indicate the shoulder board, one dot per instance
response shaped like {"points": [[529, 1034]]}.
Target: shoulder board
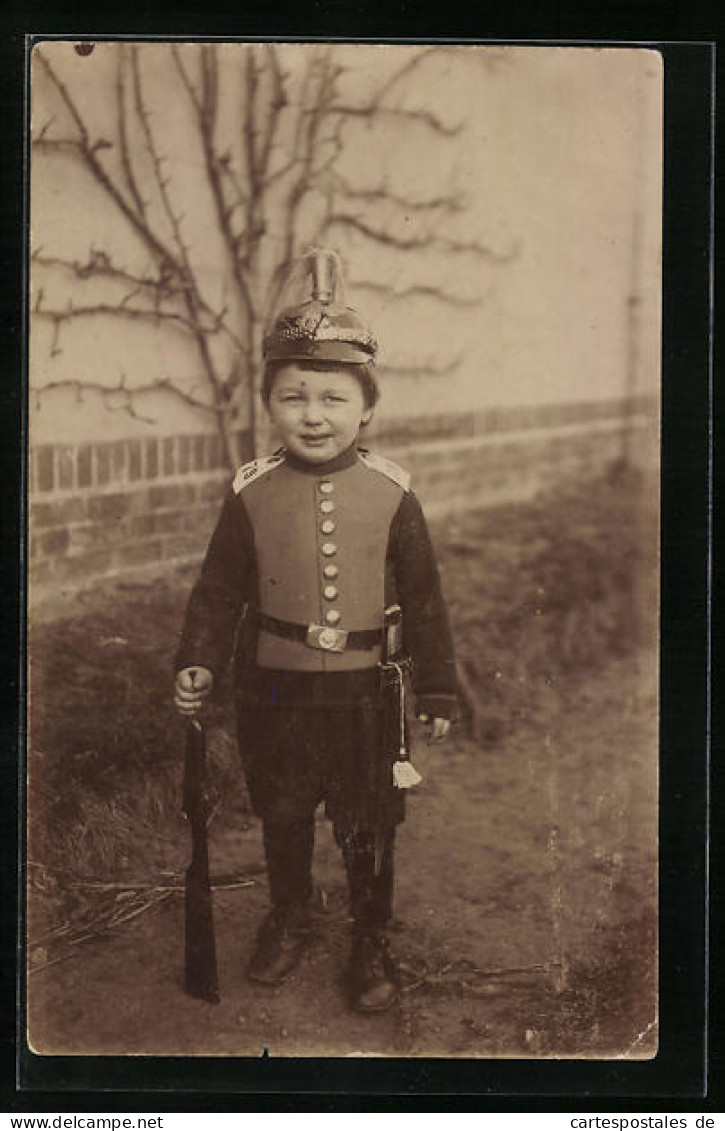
{"points": [[385, 467], [248, 472]]}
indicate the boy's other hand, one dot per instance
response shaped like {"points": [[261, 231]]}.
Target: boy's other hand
{"points": [[438, 728], [191, 689]]}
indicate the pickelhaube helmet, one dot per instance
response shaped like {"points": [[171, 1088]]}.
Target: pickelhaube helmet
{"points": [[319, 324]]}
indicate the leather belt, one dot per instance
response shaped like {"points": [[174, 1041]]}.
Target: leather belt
{"points": [[321, 636]]}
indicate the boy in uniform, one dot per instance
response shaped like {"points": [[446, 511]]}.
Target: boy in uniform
{"points": [[313, 545]]}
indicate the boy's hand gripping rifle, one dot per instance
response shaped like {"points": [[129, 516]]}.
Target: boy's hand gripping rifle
{"points": [[200, 966]]}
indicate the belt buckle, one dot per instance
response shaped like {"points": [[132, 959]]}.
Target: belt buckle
{"points": [[327, 638]]}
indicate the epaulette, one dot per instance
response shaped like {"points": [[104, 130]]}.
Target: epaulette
{"points": [[248, 472], [385, 467]]}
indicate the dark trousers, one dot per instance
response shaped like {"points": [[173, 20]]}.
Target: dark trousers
{"points": [[368, 859]]}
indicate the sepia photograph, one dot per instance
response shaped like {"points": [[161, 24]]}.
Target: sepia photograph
{"points": [[343, 497]]}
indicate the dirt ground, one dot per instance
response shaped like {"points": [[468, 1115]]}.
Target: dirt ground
{"points": [[525, 902]]}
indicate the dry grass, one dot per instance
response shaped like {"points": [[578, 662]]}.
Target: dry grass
{"points": [[106, 746], [540, 590]]}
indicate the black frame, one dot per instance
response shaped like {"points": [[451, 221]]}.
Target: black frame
{"points": [[680, 1068]]}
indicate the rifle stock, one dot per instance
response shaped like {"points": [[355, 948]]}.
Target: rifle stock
{"points": [[200, 964]]}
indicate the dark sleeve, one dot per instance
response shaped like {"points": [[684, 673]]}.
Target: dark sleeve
{"points": [[426, 630], [217, 600]]}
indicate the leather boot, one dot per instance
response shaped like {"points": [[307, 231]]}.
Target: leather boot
{"points": [[372, 976], [281, 942]]}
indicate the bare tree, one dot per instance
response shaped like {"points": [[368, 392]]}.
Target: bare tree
{"points": [[275, 181]]}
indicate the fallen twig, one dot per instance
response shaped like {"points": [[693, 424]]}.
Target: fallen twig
{"points": [[95, 928], [219, 883], [427, 979], [127, 914], [142, 896], [435, 976]]}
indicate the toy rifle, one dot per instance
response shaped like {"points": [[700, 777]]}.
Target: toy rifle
{"points": [[200, 966]]}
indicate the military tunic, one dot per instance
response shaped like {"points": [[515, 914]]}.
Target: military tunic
{"points": [[301, 549]]}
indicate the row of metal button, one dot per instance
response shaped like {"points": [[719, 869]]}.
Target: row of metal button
{"points": [[328, 550]]}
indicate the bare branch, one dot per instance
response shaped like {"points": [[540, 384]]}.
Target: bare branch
{"points": [[183, 74], [302, 110], [326, 98], [276, 103], [120, 397], [87, 152], [315, 97], [57, 143], [191, 295], [126, 162], [334, 145], [402, 243], [126, 404], [374, 111], [67, 100], [46, 126], [407, 69], [102, 309], [100, 264], [376, 106], [417, 242], [381, 194], [157, 161], [250, 119], [162, 286], [439, 294], [232, 177], [55, 349], [283, 170], [209, 83], [205, 115]]}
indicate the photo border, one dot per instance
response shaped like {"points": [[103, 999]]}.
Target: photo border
{"points": [[680, 1068]]}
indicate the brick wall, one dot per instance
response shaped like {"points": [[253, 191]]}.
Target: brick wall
{"points": [[512, 418], [99, 509], [106, 508], [509, 467]]}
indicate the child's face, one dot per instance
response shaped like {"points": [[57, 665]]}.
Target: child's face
{"points": [[317, 414]]}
